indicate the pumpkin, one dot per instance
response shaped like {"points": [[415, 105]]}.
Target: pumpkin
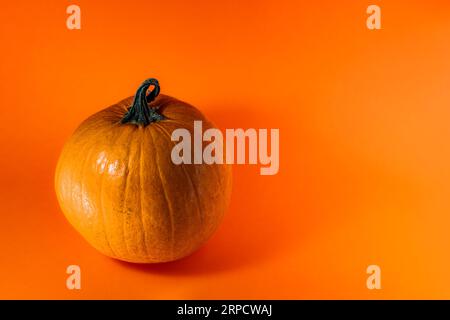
{"points": [[117, 186]]}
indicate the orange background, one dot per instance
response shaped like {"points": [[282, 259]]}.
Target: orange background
{"points": [[364, 151]]}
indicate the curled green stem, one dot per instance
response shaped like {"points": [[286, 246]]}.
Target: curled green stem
{"points": [[140, 113]]}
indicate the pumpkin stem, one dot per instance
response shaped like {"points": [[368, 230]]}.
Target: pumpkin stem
{"points": [[140, 113]]}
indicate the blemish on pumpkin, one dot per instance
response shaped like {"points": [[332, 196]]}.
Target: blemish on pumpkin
{"points": [[101, 162], [116, 169], [86, 204]]}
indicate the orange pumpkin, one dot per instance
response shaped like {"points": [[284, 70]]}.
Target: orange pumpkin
{"points": [[117, 185]]}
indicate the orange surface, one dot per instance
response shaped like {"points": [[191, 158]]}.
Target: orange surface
{"points": [[364, 151]]}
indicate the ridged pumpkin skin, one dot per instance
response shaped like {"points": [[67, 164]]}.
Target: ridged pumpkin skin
{"points": [[117, 185]]}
